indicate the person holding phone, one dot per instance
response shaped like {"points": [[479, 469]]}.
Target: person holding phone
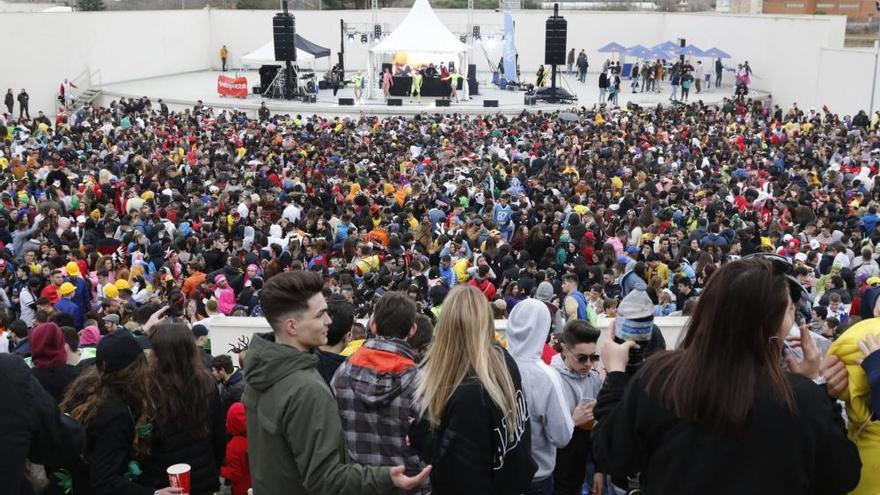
{"points": [[750, 425], [581, 384]]}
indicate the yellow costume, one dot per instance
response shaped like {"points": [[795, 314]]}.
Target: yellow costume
{"points": [[862, 431]]}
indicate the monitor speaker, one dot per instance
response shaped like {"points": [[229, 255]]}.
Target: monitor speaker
{"points": [[490, 103], [442, 103], [346, 101], [283, 37], [267, 75], [555, 40], [395, 102]]}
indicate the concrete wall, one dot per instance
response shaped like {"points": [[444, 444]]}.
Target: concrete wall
{"points": [[786, 52], [47, 47], [226, 332], [844, 81]]}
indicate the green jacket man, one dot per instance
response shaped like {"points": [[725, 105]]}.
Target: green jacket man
{"points": [[294, 431]]}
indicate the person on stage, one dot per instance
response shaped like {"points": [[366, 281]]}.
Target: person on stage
{"points": [[415, 88], [358, 81], [387, 82], [453, 78], [224, 54], [542, 75]]}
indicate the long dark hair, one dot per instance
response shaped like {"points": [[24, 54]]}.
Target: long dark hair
{"points": [[185, 380], [134, 385], [732, 343]]}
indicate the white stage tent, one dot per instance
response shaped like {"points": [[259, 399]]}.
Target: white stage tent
{"points": [[265, 55], [421, 33], [306, 51]]}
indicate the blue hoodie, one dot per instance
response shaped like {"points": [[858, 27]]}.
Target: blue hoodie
{"points": [[527, 328]]}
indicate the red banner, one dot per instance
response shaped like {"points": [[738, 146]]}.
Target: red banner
{"points": [[232, 86]]}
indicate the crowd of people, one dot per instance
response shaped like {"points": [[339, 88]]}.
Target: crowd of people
{"points": [[128, 230], [683, 74]]}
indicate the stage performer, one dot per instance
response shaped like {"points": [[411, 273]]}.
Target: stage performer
{"points": [[358, 81], [453, 78], [415, 88], [387, 82]]}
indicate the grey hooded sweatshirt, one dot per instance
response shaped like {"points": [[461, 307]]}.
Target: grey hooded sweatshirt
{"points": [[527, 328], [576, 387]]}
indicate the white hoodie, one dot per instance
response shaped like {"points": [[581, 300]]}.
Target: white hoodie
{"points": [[552, 426]]}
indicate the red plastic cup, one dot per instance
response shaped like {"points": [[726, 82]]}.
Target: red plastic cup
{"points": [[178, 477]]}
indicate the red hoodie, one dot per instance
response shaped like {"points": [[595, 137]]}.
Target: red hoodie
{"points": [[237, 469]]}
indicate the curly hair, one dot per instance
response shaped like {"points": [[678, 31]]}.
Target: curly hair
{"points": [[134, 385]]}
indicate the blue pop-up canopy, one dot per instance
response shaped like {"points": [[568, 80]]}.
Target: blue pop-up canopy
{"points": [[666, 46], [638, 51], [716, 53], [690, 51], [613, 48]]}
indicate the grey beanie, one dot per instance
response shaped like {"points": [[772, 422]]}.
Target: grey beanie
{"points": [[544, 292]]}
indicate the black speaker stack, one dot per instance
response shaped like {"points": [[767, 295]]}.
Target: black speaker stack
{"points": [[395, 102], [441, 103], [283, 37], [555, 40], [473, 86]]}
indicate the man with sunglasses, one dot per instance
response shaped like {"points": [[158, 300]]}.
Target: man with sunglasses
{"points": [[580, 387]]}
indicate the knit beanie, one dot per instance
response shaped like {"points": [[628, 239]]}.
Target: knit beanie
{"points": [[47, 346], [116, 351]]}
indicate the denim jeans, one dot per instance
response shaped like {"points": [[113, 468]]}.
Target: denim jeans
{"points": [[717, 79], [674, 93], [569, 68], [602, 92], [541, 487]]}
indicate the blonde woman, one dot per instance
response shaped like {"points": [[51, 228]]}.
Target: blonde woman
{"points": [[475, 428]]}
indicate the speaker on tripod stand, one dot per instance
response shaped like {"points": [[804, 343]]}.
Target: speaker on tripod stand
{"points": [[283, 37], [555, 38]]}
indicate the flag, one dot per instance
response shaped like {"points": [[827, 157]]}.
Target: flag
{"points": [[509, 48]]}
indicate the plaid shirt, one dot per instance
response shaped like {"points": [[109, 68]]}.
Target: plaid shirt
{"points": [[375, 390]]}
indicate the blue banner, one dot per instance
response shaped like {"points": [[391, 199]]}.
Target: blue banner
{"points": [[509, 48]]}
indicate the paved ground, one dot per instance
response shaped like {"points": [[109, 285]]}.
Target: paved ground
{"points": [[181, 90]]}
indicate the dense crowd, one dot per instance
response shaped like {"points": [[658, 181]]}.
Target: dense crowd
{"points": [[131, 228]]}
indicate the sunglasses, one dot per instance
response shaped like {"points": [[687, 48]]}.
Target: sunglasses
{"points": [[584, 358]]}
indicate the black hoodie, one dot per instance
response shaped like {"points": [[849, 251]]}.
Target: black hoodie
{"points": [[464, 449]]}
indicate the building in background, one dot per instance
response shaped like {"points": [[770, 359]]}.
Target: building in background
{"points": [[854, 10], [739, 6]]}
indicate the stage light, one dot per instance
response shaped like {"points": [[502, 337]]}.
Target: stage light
{"points": [[377, 31], [476, 32], [463, 39], [364, 39], [350, 37]]}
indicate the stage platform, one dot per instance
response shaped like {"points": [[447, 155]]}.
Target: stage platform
{"points": [[183, 90]]}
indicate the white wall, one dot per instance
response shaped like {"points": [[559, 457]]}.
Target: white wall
{"points": [[226, 332], [844, 80], [44, 48], [795, 57]]}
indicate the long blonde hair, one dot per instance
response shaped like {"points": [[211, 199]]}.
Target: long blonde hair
{"points": [[464, 344]]}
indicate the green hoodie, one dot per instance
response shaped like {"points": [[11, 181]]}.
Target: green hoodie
{"points": [[294, 431]]}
